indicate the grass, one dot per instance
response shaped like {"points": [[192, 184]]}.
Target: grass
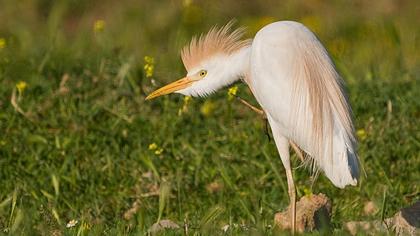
{"points": [[80, 147]]}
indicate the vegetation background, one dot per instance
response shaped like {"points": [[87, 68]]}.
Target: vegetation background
{"points": [[82, 153]]}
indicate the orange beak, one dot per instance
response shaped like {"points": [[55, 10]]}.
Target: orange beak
{"points": [[172, 87]]}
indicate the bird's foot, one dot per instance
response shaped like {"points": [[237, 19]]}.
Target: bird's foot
{"points": [[312, 212]]}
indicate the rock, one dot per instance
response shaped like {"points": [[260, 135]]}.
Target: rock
{"points": [[404, 222], [312, 212], [370, 208], [412, 214], [400, 225], [135, 207], [162, 225], [364, 226], [214, 187]]}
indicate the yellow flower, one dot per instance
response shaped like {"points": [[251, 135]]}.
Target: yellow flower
{"points": [[153, 146], [207, 108], [99, 26], [149, 66], [159, 151], [361, 133], [187, 99], [149, 60], [149, 70], [184, 108], [21, 86], [307, 191], [2, 43], [186, 3], [232, 92]]}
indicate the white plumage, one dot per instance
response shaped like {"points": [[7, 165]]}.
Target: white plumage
{"points": [[306, 104], [293, 79]]}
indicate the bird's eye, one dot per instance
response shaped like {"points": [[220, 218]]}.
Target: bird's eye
{"points": [[203, 73]]}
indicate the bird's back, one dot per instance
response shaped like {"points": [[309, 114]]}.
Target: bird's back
{"points": [[294, 80]]}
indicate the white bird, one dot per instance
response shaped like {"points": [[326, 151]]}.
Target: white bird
{"points": [[295, 82]]}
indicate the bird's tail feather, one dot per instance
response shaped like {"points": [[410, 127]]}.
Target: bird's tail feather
{"points": [[344, 168], [321, 114]]}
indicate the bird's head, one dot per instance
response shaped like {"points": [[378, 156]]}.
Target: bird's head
{"points": [[212, 61]]}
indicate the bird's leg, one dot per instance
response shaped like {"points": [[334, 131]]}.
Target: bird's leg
{"points": [[283, 147], [257, 110], [297, 150], [292, 196]]}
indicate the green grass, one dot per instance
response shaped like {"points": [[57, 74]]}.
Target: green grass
{"points": [[80, 148]]}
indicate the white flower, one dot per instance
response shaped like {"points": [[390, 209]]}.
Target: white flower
{"points": [[72, 223]]}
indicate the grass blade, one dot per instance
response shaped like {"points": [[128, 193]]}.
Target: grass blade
{"points": [[164, 192], [211, 216]]}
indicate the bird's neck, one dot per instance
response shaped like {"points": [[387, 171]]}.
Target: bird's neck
{"points": [[237, 65]]}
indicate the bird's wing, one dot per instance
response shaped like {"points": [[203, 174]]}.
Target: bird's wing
{"points": [[295, 81]]}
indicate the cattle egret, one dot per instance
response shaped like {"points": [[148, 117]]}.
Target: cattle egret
{"points": [[295, 82]]}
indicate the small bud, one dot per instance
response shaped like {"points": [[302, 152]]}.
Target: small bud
{"points": [[232, 92], [99, 26]]}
